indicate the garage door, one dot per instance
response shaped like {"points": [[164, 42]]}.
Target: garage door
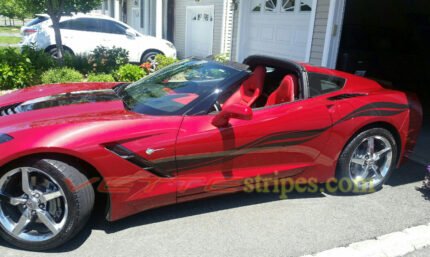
{"points": [[199, 31], [279, 28]]}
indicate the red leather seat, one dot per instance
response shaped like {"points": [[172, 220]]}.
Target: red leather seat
{"points": [[286, 91], [250, 90]]}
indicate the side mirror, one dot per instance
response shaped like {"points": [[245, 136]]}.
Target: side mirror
{"points": [[130, 33], [234, 111]]}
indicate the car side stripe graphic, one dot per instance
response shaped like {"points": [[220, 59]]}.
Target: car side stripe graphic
{"points": [[279, 140]]}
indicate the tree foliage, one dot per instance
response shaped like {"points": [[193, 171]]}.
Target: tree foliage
{"points": [[61, 7], [13, 9]]}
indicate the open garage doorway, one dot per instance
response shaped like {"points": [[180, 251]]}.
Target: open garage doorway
{"points": [[388, 40]]}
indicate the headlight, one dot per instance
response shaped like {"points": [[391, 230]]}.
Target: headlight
{"points": [[170, 45], [5, 138]]}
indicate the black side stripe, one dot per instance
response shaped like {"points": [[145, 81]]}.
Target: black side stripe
{"points": [[278, 140]]}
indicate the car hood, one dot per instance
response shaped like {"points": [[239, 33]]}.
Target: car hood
{"points": [[50, 90], [61, 104]]}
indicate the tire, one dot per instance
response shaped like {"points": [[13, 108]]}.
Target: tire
{"points": [[150, 57], [72, 209], [356, 161], [53, 52]]}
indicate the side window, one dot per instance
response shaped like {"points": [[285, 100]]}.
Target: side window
{"points": [[70, 24], [320, 84], [112, 27], [90, 25]]}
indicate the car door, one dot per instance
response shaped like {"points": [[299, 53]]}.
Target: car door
{"points": [[279, 141], [114, 34], [80, 35]]}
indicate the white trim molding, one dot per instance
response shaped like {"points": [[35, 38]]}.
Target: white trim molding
{"points": [[311, 31], [239, 33], [159, 19], [117, 10], [333, 33], [227, 27]]}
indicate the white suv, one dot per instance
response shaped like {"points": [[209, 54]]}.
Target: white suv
{"points": [[81, 34]]}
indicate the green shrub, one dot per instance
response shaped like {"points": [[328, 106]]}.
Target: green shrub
{"points": [[222, 58], [80, 63], [21, 69], [61, 75], [102, 77], [129, 73], [16, 70], [41, 60], [105, 60], [164, 61]]}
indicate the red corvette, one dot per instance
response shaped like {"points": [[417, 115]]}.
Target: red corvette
{"points": [[195, 129]]}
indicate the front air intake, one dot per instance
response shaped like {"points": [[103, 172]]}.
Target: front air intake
{"points": [[9, 110]]}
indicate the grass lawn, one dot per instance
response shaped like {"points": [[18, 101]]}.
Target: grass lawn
{"points": [[16, 48], [4, 29], [10, 40]]}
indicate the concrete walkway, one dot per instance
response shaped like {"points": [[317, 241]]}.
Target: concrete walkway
{"points": [[9, 45], [2, 34], [397, 244], [421, 253], [9, 35]]}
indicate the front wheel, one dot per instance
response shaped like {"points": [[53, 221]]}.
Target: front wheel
{"points": [[54, 52], [368, 161], [44, 203], [150, 57]]}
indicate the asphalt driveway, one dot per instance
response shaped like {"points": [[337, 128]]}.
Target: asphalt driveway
{"points": [[259, 224]]}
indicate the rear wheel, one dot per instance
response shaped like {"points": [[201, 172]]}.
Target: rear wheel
{"points": [[44, 203], [368, 161]]}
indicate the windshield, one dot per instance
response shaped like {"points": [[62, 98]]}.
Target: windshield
{"points": [[177, 88]]}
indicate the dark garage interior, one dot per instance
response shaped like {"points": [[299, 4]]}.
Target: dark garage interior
{"points": [[388, 40]]}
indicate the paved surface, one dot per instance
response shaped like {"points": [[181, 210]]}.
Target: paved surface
{"points": [[422, 150], [9, 35], [3, 34], [259, 224], [421, 253], [396, 244], [9, 45]]}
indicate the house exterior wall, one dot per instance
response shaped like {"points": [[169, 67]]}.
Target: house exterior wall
{"points": [[320, 28], [180, 23]]}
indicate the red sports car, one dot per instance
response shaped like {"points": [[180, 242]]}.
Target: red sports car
{"points": [[195, 129]]}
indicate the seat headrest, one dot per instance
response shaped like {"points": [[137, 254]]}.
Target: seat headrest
{"points": [[256, 80]]}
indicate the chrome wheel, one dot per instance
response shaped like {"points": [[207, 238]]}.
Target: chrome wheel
{"points": [[152, 60], [33, 206], [371, 161]]}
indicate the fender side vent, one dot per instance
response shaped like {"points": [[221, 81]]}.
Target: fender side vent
{"points": [[345, 96], [129, 156]]}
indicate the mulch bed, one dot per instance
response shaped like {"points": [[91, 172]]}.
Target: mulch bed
{"points": [[5, 92]]}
